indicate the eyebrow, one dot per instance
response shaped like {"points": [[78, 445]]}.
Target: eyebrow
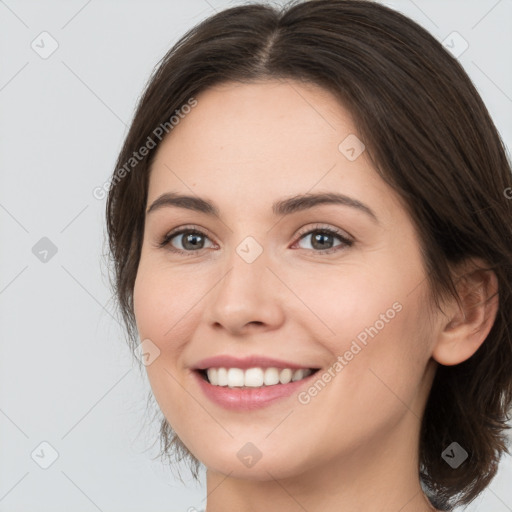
{"points": [[283, 207]]}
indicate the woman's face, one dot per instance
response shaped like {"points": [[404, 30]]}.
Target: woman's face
{"points": [[266, 281]]}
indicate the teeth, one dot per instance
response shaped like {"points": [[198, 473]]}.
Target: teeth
{"points": [[254, 377]]}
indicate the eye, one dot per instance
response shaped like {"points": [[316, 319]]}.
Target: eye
{"points": [[191, 240], [322, 239]]}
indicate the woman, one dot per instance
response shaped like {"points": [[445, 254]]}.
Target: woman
{"points": [[311, 238]]}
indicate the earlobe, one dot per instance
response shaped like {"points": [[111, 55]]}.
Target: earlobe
{"points": [[469, 323]]}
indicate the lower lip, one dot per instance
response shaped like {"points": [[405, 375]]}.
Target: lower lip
{"points": [[247, 399]]}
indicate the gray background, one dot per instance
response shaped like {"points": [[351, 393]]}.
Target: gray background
{"points": [[66, 376]]}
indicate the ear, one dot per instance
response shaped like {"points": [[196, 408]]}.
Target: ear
{"points": [[468, 324]]}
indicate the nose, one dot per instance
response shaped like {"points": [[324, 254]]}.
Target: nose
{"points": [[248, 296]]}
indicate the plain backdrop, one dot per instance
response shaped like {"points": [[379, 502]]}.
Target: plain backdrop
{"points": [[71, 397]]}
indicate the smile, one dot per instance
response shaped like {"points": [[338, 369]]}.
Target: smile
{"points": [[254, 377], [230, 390]]}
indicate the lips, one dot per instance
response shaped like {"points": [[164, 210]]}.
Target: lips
{"points": [[253, 361], [238, 399]]}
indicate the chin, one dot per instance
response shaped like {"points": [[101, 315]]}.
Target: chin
{"points": [[266, 468]]}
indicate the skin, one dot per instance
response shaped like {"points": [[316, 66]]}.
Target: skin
{"points": [[353, 446]]}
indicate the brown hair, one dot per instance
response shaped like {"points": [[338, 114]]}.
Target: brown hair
{"points": [[430, 137]]}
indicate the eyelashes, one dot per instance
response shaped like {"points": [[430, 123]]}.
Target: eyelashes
{"points": [[166, 241], [196, 235]]}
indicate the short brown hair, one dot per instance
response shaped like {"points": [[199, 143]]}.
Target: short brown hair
{"points": [[430, 137]]}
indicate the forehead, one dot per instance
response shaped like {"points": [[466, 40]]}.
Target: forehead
{"points": [[262, 141]]}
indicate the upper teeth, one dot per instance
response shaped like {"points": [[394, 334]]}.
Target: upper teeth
{"points": [[254, 377]]}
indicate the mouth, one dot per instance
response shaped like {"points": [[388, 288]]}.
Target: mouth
{"points": [[256, 377]]}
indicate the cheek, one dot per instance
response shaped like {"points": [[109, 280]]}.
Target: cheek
{"points": [[163, 303], [163, 315], [150, 306], [382, 359], [376, 322], [354, 301]]}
